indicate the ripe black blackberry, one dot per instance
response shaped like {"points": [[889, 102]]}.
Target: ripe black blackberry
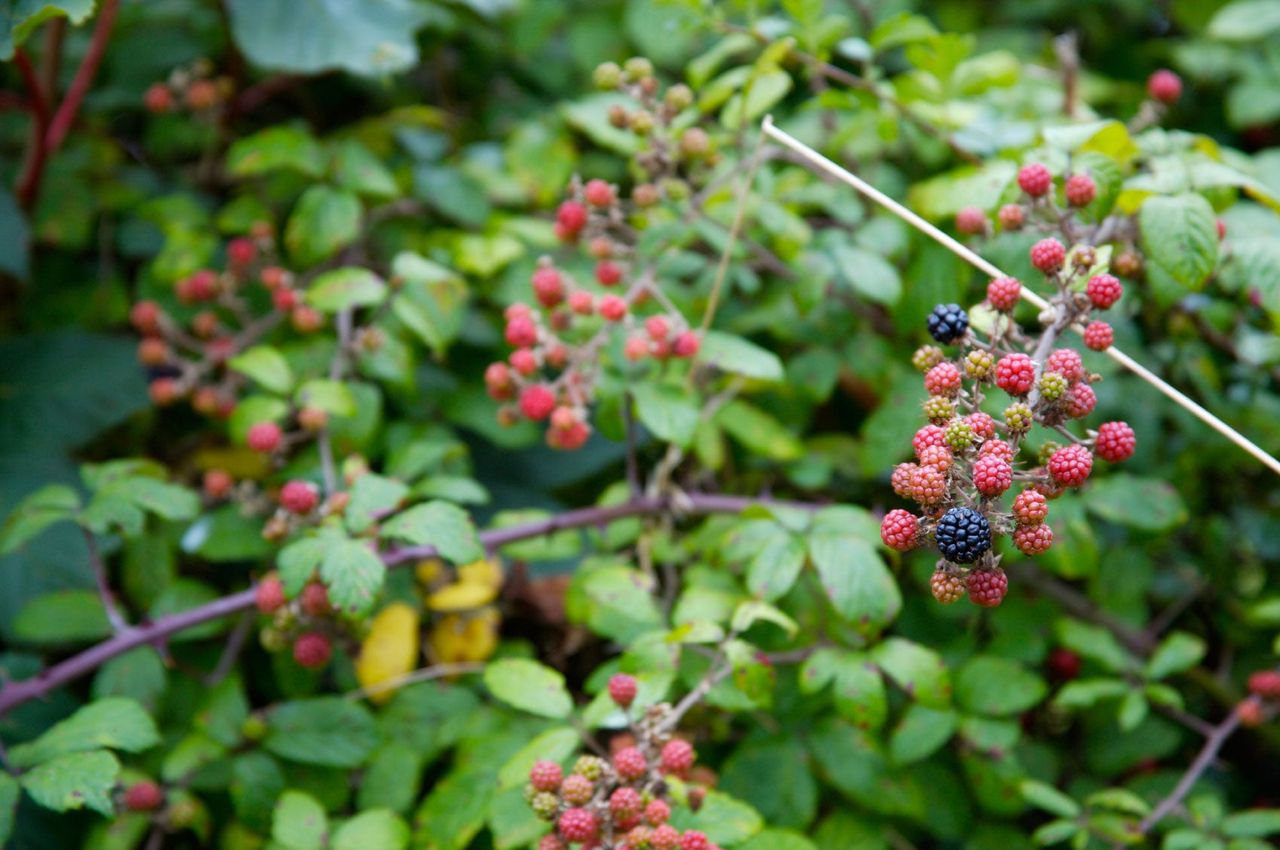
{"points": [[948, 322], [963, 534]]}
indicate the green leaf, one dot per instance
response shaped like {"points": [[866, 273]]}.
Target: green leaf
{"points": [[529, 686], [590, 116], [753, 611], [776, 556], [19, 18], [920, 733], [9, 793], [432, 299], [1144, 503], [65, 616], [776, 778], [739, 356], [445, 526], [1179, 240], [1133, 710], [859, 691], [724, 819], [328, 731], [1178, 652], [668, 411], [453, 193], [276, 149], [379, 40], [614, 601], [356, 168], [299, 822], [354, 574], [855, 579], [1084, 693], [378, 829], [74, 781], [868, 274], [778, 839], [1096, 643], [943, 196], [114, 722], [324, 221], [333, 397], [1048, 798], [266, 365], [903, 28], [344, 288], [51, 503], [1254, 823], [761, 92], [372, 496], [917, 670], [169, 501], [758, 431], [552, 745], [455, 810], [1245, 20], [988, 684]]}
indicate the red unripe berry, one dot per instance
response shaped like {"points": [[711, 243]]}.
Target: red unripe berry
{"points": [[572, 216], [686, 344], [1033, 539], [598, 193], [582, 302], [694, 840], [312, 650], [608, 273], [971, 220], [1081, 400], [657, 327], [284, 299], [1030, 507], [984, 427], [928, 436], [1003, 293], [943, 379], [635, 348], [1012, 217], [537, 401], [548, 286], [522, 331], [144, 796], [577, 790], [158, 98], [551, 841], [524, 361], [314, 600], [612, 307], [578, 825], [569, 439], [622, 689], [1071, 465], [546, 775], [657, 813], [1015, 374], [1265, 683], [1103, 290], [665, 837], [163, 391], [1064, 665], [145, 317], [1067, 363], [205, 324], [1098, 336], [264, 437], [1048, 255], [625, 803], [987, 587], [1035, 180], [997, 448], [273, 277], [1250, 713], [898, 530], [992, 475], [1115, 441], [498, 382], [299, 497], [1080, 190], [217, 483], [202, 94], [241, 252], [630, 763], [269, 595], [601, 248], [677, 756], [306, 320], [1164, 86], [153, 351]]}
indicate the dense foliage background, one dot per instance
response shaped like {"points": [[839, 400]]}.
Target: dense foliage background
{"points": [[401, 161]]}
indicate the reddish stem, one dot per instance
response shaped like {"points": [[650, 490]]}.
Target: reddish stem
{"points": [[66, 114], [15, 693], [36, 150]]}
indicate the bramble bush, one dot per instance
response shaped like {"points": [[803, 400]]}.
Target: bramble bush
{"points": [[455, 425]]}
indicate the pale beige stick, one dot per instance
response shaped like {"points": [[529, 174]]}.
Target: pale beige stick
{"points": [[821, 163]]}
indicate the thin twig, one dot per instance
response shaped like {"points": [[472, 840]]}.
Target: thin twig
{"points": [[231, 652], [739, 215], [1193, 773], [633, 463], [114, 617]]}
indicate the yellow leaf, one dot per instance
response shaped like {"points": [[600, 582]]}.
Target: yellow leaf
{"points": [[241, 462], [461, 597], [458, 638], [389, 651], [484, 572], [429, 571]]}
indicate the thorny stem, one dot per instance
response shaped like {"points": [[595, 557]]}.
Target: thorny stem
{"points": [[739, 215], [1208, 753]]}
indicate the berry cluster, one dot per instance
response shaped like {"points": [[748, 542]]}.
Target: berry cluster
{"points": [[966, 458], [1263, 699], [306, 621], [193, 87], [621, 803]]}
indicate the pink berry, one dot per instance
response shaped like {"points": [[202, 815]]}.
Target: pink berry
{"points": [[598, 193], [241, 252], [524, 361], [1035, 180], [1030, 507], [498, 382], [971, 220], [548, 286], [943, 379], [1033, 539], [694, 840], [268, 595], [898, 530], [537, 401], [635, 348], [1004, 293], [686, 345], [987, 587], [609, 274], [1165, 86], [677, 756], [1015, 374], [1103, 290], [1115, 441], [144, 796], [522, 331], [1048, 255], [929, 435], [582, 302], [312, 650], [622, 689], [546, 775], [264, 437], [571, 217], [1081, 400], [992, 475], [657, 813], [657, 327], [578, 825], [630, 763], [997, 448], [984, 427], [1071, 465], [613, 308], [1098, 336], [1080, 190], [1012, 217], [625, 803], [1067, 363], [665, 837], [299, 497]]}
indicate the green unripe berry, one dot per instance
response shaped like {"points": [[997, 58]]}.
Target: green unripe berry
{"points": [[607, 76], [978, 364], [272, 639], [590, 767], [959, 435], [637, 68], [926, 357], [678, 97], [676, 190], [939, 410], [641, 122], [544, 805], [1052, 386], [1017, 417], [254, 728], [1046, 452]]}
